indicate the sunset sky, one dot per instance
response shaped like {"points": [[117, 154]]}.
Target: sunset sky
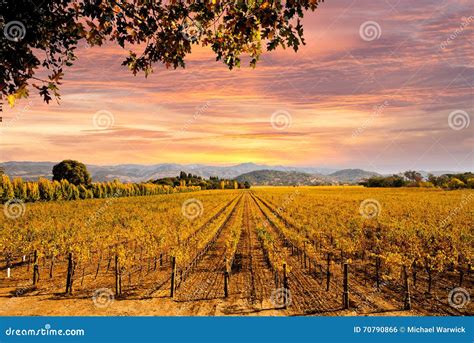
{"points": [[402, 99]]}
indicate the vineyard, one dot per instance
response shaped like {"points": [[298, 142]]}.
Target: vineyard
{"points": [[264, 251]]}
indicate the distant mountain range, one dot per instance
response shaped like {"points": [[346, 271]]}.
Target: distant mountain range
{"points": [[254, 173], [138, 172]]}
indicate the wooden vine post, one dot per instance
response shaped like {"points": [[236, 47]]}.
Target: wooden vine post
{"points": [[98, 266], [304, 254], [51, 267], [226, 280], [69, 274], [35, 268], [118, 281], [285, 286], [407, 300], [173, 271], [109, 257], [345, 295], [328, 271]]}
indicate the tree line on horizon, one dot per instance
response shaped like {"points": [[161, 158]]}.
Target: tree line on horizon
{"points": [[72, 181], [413, 178], [188, 179]]}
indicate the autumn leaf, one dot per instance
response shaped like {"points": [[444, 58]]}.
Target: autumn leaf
{"points": [[11, 100]]}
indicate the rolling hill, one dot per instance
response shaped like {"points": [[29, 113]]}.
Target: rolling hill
{"points": [[351, 175], [285, 178], [281, 178]]}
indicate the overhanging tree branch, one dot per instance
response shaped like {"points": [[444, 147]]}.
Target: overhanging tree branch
{"points": [[167, 28]]}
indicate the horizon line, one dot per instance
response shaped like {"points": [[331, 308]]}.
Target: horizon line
{"points": [[253, 163]]}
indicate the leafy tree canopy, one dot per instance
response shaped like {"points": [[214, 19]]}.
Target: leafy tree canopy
{"points": [[44, 34], [73, 171]]}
